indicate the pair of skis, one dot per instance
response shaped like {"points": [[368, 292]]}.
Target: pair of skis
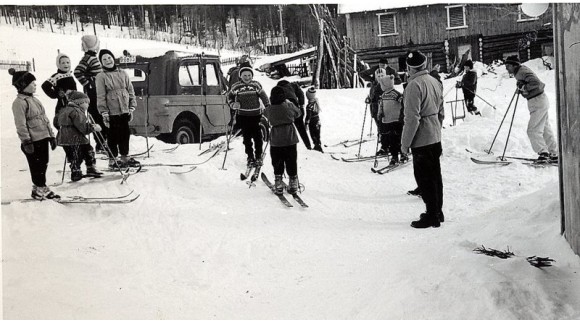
{"points": [[128, 198], [348, 143], [253, 177], [360, 159], [390, 167], [281, 196]]}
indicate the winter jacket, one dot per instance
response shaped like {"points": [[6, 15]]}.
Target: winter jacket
{"points": [[249, 96], [233, 76], [73, 126], [423, 108], [312, 111], [115, 94], [532, 85], [469, 82], [281, 118], [30, 119], [293, 92], [375, 96], [87, 70], [391, 107], [55, 87]]}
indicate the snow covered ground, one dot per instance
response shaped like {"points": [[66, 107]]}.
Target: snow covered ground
{"points": [[202, 245]]}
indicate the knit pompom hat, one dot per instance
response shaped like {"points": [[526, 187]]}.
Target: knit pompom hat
{"points": [[21, 79], [90, 43], [311, 93], [416, 59], [513, 60], [59, 57], [387, 82], [277, 95], [78, 98], [245, 66]]}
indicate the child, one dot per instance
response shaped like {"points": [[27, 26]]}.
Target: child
{"points": [[116, 103], [283, 139], [34, 130], [59, 84], [391, 115], [86, 72], [313, 118], [244, 98], [72, 136], [468, 85], [374, 99]]}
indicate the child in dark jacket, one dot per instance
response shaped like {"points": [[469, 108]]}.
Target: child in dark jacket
{"points": [[295, 95], [283, 139], [59, 84], [391, 115], [313, 118], [73, 136], [34, 131]]}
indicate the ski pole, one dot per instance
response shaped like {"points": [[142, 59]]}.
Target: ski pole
{"points": [[500, 125], [472, 92], [63, 170], [101, 141], [510, 129], [379, 135], [363, 129], [228, 130]]}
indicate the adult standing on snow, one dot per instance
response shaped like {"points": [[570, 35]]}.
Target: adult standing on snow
{"points": [[424, 114], [468, 85], [86, 72], [244, 98], [539, 129], [234, 72], [34, 131], [296, 96], [59, 84]]}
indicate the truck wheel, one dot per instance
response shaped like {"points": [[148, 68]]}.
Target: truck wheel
{"points": [[184, 132]]}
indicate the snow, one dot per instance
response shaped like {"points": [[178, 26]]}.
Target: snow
{"points": [[202, 245]]}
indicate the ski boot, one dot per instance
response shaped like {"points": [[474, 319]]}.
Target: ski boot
{"points": [[47, 193], [93, 172], [318, 148], [126, 161], [381, 152], [76, 175], [404, 158], [37, 193], [293, 185], [553, 158], [114, 164], [394, 160], [544, 157], [278, 184]]}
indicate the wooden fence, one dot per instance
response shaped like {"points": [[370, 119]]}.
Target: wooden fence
{"points": [[16, 64]]}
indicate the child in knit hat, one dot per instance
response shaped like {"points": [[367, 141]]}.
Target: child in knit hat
{"points": [[61, 82], [34, 131], [312, 121], [283, 139], [72, 136], [391, 115]]}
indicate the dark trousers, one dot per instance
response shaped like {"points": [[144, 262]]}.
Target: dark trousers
{"points": [[119, 134], [314, 128], [468, 97], [299, 123], [284, 157], [427, 170], [97, 117], [76, 154], [38, 162], [391, 137], [250, 126]]}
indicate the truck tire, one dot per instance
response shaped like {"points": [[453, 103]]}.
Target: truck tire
{"points": [[184, 132]]}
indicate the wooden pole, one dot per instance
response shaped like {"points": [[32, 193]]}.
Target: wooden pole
{"points": [[333, 62], [320, 52]]}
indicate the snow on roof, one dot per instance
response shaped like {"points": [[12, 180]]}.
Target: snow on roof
{"points": [[362, 6]]}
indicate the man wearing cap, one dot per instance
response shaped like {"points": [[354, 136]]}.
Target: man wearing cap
{"points": [[424, 114], [539, 129]]}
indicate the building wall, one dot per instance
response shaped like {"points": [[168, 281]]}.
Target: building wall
{"points": [[567, 50]]}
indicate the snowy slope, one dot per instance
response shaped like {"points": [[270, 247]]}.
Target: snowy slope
{"points": [[203, 245]]}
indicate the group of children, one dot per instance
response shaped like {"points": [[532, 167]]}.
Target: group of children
{"points": [[108, 98]]}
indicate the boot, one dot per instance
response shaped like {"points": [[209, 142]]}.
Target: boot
{"points": [[543, 157], [251, 162], [278, 184], [382, 152], [113, 165], [293, 185], [553, 158], [318, 148], [37, 193], [131, 162], [416, 192], [76, 175], [394, 160], [48, 194], [426, 221], [404, 158], [93, 172]]}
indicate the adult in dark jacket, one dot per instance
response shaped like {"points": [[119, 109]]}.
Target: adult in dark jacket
{"points": [[424, 114], [295, 95], [468, 85], [59, 84]]}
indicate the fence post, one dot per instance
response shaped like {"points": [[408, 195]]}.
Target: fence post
{"points": [[28, 66], [33, 65]]}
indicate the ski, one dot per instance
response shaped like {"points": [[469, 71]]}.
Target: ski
{"points": [[180, 164], [389, 168], [490, 162], [169, 150], [362, 159], [256, 173], [78, 199], [540, 164], [96, 200], [348, 145], [341, 143], [299, 200], [182, 172], [132, 155], [281, 197]]}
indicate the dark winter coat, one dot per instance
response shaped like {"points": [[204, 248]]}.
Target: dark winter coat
{"points": [[281, 118], [293, 93], [233, 76], [73, 126], [56, 87], [375, 96], [469, 83], [30, 119], [532, 85], [115, 93]]}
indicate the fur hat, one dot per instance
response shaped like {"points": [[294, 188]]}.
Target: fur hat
{"points": [[469, 64], [21, 79], [58, 57], [384, 60], [416, 59], [311, 93], [245, 67], [277, 95], [90, 42], [513, 60], [104, 52], [77, 97], [387, 82]]}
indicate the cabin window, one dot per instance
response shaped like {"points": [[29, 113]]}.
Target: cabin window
{"points": [[522, 17], [387, 24], [456, 17], [189, 75]]}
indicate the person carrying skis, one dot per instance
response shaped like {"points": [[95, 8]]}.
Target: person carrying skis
{"points": [[391, 115], [86, 73], [468, 85], [424, 114], [116, 103], [295, 95], [72, 135], [539, 130], [312, 121], [283, 139], [59, 84], [34, 131], [244, 99]]}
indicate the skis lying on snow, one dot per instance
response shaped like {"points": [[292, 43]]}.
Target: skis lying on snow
{"points": [[282, 197], [180, 164], [132, 155], [348, 143], [169, 150], [389, 168], [361, 159], [182, 172], [81, 199], [532, 163]]}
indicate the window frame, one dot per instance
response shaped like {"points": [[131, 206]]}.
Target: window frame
{"points": [[394, 14], [449, 17], [187, 65], [521, 13]]}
